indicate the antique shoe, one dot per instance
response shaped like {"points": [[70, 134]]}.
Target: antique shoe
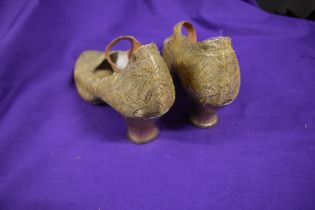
{"points": [[136, 83], [208, 71]]}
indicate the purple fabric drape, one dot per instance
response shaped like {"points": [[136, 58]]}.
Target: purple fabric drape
{"points": [[60, 152]]}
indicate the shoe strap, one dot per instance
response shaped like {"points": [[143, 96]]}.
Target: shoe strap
{"points": [[191, 32], [135, 44]]}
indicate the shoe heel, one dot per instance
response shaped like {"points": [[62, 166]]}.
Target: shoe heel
{"points": [[142, 131], [204, 116]]}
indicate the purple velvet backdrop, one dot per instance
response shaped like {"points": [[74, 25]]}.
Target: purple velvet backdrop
{"points": [[59, 152]]}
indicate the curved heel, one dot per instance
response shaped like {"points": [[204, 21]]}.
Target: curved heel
{"points": [[204, 116], [142, 131]]}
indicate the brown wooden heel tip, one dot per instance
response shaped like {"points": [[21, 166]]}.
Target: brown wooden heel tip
{"points": [[142, 131], [204, 117]]}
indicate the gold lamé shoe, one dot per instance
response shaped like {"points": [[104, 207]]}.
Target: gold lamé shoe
{"points": [[208, 70], [136, 83]]}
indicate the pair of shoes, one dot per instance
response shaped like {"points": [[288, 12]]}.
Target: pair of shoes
{"points": [[137, 83]]}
